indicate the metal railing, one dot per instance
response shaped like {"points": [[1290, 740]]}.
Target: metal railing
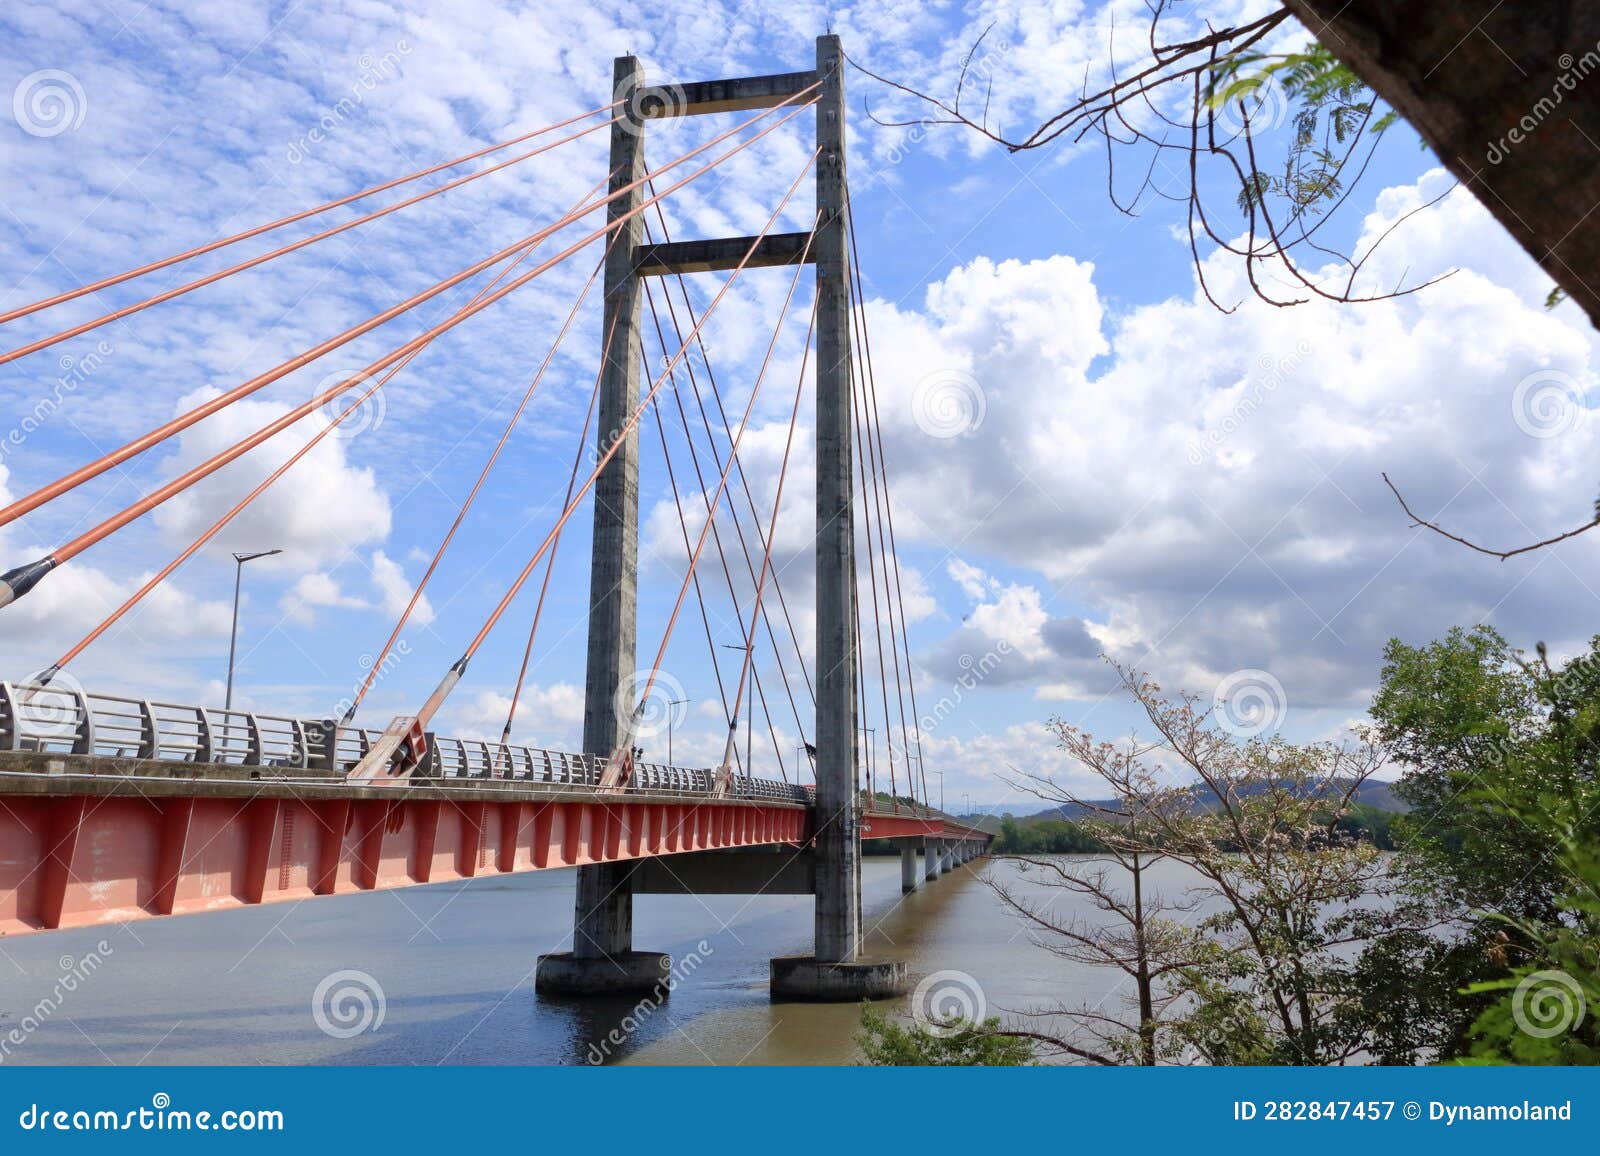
{"points": [[66, 719]]}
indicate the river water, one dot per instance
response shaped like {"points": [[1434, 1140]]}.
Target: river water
{"points": [[451, 968]]}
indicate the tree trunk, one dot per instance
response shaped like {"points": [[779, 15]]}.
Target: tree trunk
{"points": [[1508, 96]]}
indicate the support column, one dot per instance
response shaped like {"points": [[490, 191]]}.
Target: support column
{"points": [[947, 859], [930, 859], [834, 972], [602, 960], [908, 866]]}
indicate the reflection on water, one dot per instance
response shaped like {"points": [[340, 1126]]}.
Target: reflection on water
{"points": [[455, 965]]}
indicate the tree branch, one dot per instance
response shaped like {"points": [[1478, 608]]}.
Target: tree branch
{"points": [[1471, 545]]}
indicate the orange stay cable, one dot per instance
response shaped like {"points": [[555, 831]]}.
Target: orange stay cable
{"points": [[727, 429], [212, 246], [162, 575], [722, 557], [17, 582], [716, 535], [435, 700], [461, 513], [550, 563], [733, 508], [262, 259], [777, 501], [888, 502], [733, 454], [183, 421]]}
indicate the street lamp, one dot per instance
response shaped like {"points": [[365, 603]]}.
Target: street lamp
{"points": [[749, 717], [233, 640], [872, 742], [672, 702]]}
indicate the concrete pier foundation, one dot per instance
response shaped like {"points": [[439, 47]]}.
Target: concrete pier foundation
{"points": [[908, 867], [621, 973]]}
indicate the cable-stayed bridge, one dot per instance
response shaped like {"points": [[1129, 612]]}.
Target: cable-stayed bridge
{"points": [[115, 808]]}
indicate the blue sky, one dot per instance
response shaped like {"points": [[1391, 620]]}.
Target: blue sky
{"points": [[1102, 495]]}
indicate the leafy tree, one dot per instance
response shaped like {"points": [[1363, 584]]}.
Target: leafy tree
{"points": [[1268, 975], [1501, 772], [1502, 755], [886, 1043], [1045, 837]]}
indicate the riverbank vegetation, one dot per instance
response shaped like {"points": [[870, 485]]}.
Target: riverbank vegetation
{"points": [[1303, 941]]}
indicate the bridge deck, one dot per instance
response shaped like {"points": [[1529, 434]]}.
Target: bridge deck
{"points": [[88, 839]]}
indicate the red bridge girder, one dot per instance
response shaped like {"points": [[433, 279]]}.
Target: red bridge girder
{"points": [[80, 860], [97, 841]]}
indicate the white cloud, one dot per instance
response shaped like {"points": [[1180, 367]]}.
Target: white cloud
{"points": [[315, 591], [1210, 484], [321, 510], [395, 590], [547, 716], [76, 597]]}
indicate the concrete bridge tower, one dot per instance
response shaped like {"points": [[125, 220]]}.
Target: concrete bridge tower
{"points": [[603, 959]]}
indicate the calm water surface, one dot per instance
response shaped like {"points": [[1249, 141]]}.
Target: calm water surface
{"points": [[455, 965]]}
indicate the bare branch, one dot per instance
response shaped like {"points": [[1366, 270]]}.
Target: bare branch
{"points": [[1471, 545]]}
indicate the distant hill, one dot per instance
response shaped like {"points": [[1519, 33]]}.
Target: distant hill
{"points": [[1372, 793]]}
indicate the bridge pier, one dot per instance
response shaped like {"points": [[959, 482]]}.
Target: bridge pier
{"points": [[930, 859], [835, 972], [602, 960], [908, 866]]}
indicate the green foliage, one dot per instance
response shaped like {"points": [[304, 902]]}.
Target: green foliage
{"points": [[1370, 824], [1330, 107], [1503, 755], [1045, 837], [1503, 777], [886, 1043], [1548, 1010]]}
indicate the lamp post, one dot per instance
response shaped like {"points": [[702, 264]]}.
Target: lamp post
{"points": [[872, 742], [233, 639], [749, 717], [672, 702]]}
